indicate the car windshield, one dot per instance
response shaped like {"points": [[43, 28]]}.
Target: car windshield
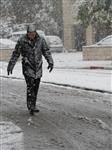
{"points": [[106, 41]]}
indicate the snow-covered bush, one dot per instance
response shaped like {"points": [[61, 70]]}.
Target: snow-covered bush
{"points": [[16, 14], [99, 14]]}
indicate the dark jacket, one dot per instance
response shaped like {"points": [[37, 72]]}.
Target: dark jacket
{"points": [[31, 52]]}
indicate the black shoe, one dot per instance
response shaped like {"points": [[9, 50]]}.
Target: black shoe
{"points": [[31, 112], [36, 110]]}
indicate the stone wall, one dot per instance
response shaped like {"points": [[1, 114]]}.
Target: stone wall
{"points": [[97, 53]]}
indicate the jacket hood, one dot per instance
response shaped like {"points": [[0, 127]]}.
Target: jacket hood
{"points": [[31, 28]]}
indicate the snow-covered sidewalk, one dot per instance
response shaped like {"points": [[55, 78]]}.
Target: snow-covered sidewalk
{"points": [[75, 61], [69, 71]]}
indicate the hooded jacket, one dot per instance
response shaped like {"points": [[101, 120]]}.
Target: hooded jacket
{"points": [[31, 53]]}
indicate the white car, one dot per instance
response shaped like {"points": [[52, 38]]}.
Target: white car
{"points": [[16, 35], [107, 41], [55, 43], [7, 44]]}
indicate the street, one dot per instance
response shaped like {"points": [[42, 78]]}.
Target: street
{"points": [[69, 118]]}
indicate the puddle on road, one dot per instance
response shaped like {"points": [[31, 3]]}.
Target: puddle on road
{"points": [[11, 137]]}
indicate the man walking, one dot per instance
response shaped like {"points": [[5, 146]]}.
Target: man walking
{"points": [[31, 47]]}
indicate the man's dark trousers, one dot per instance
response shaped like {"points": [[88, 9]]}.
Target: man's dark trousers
{"points": [[32, 91]]}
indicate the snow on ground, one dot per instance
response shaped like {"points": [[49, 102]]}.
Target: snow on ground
{"points": [[75, 60], [86, 117], [65, 72], [11, 136], [81, 78]]}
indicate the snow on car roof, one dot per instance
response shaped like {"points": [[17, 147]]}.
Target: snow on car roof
{"points": [[19, 32], [24, 32]]}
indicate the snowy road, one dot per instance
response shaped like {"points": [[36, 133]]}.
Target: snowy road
{"points": [[69, 119]]}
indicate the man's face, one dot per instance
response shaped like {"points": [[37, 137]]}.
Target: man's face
{"points": [[31, 35]]}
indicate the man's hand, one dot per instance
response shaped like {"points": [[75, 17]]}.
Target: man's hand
{"points": [[9, 70], [50, 67]]}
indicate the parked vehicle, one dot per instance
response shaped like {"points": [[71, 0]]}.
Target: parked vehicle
{"points": [[55, 43], [7, 44], [106, 41], [16, 35]]}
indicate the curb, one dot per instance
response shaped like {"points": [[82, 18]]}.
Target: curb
{"points": [[77, 87], [64, 85], [98, 67], [90, 67]]}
